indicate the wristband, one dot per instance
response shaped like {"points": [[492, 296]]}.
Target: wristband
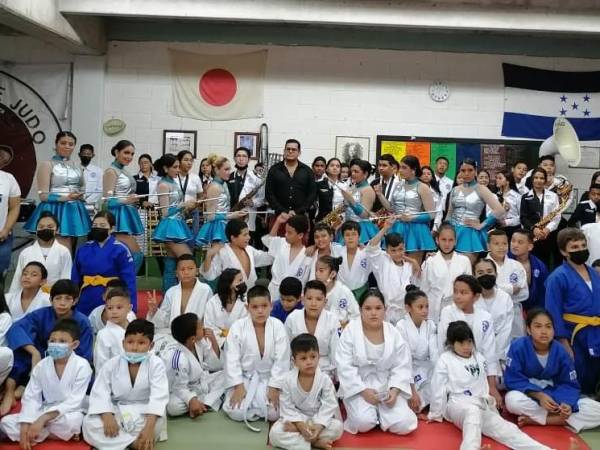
{"points": [[357, 208], [489, 221]]}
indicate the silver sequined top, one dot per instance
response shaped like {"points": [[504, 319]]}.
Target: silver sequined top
{"points": [[406, 199], [467, 206], [65, 177], [351, 215], [125, 182], [223, 204]]}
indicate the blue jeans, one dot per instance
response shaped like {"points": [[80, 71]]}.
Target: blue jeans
{"points": [[5, 253]]}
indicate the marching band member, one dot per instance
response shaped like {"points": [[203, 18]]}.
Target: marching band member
{"points": [[439, 271], [429, 179], [328, 197], [386, 180], [374, 368], [360, 200], [510, 198], [172, 229], [92, 175], [519, 175], [252, 198], [587, 210], [190, 184], [218, 210], [62, 188], [409, 202], [444, 182], [467, 202], [119, 188]]}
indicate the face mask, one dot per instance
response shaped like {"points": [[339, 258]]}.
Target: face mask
{"points": [[85, 160], [579, 257], [240, 289], [58, 350], [487, 281], [98, 234], [45, 235], [135, 358], [238, 167]]}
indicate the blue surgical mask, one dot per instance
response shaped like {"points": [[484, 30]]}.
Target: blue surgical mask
{"points": [[135, 358], [58, 350]]}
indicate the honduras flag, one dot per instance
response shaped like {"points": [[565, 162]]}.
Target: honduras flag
{"points": [[533, 98]]}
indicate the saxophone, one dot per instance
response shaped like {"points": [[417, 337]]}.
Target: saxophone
{"points": [[334, 218], [564, 193]]}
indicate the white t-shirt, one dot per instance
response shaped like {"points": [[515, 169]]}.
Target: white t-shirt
{"points": [[8, 188], [193, 187]]}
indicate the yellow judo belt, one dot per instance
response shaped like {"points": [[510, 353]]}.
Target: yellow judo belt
{"points": [[581, 322], [95, 280]]}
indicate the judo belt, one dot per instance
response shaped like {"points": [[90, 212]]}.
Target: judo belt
{"points": [[581, 322], [358, 292], [46, 288], [252, 390], [95, 280]]}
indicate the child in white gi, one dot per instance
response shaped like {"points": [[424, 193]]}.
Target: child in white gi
{"points": [[109, 340], [129, 396], [392, 269], [52, 404], [310, 415], [511, 278], [439, 271], [355, 267], [462, 395], [288, 252], [420, 335], [29, 296], [6, 354], [256, 359], [99, 316], [316, 320], [374, 368], [189, 295], [193, 389], [340, 299]]}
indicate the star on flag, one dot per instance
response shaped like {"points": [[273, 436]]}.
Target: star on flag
{"points": [[573, 108]]}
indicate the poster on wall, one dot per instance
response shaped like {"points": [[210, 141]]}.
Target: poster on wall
{"points": [[348, 148], [175, 141], [491, 155]]}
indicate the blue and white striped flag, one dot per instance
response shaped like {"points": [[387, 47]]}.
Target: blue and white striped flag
{"points": [[533, 98]]}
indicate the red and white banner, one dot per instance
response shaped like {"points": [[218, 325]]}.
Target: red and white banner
{"points": [[218, 87]]}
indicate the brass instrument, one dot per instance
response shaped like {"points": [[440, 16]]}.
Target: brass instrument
{"points": [[564, 194], [335, 217], [250, 195]]}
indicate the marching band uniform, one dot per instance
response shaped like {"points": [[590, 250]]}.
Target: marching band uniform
{"points": [[469, 206], [511, 201], [367, 228], [213, 229], [585, 212], [533, 209]]}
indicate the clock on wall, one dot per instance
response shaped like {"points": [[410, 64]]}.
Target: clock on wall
{"points": [[439, 91]]}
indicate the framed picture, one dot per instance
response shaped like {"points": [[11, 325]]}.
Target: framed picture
{"points": [[348, 148], [590, 157], [249, 140], [175, 141]]}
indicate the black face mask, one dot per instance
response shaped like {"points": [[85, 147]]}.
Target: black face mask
{"points": [[85, 160], [45, 235], [579, 257], [487, 281], [238, 167], [98, 234], [240, 289]]}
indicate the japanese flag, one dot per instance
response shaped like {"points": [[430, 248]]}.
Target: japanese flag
{"points": [[218, 87]]}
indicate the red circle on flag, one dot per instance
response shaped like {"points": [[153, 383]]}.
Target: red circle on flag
{"points": [[217, 87]]}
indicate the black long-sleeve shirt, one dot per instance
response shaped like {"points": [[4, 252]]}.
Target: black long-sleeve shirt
{"points": [[285, 193]]}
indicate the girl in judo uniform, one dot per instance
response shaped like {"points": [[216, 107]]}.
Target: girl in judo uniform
{"points": [[172, 230], [420, 334], [119, 188], [466, 204], [52, 404], [542, 381], [409, 202], [100, 260], [62, 188], [218, 209], [462, 395], [374, 369], [6, 353]]}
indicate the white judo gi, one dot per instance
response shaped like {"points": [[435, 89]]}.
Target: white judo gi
{"points": [[114, 393], [320, 406], [356, 275], [362, 365], [462, 397], [392, 280], [423, 346], [108, 344], [437, 280], [282, 267], [482, 326], [226, 259], [341, 302], [511, 275], [219, 320], [6, 354], [500, 307], [46, 392], [170, 307], [245, 364], [326, 333], [13, 300], [96, 318], [189, 377], [58, 263]]}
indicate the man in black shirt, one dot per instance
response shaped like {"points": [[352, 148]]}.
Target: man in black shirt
{"points": [[290, 186]]}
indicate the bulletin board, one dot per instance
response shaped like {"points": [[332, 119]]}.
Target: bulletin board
{"points": [[491, 155]]}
